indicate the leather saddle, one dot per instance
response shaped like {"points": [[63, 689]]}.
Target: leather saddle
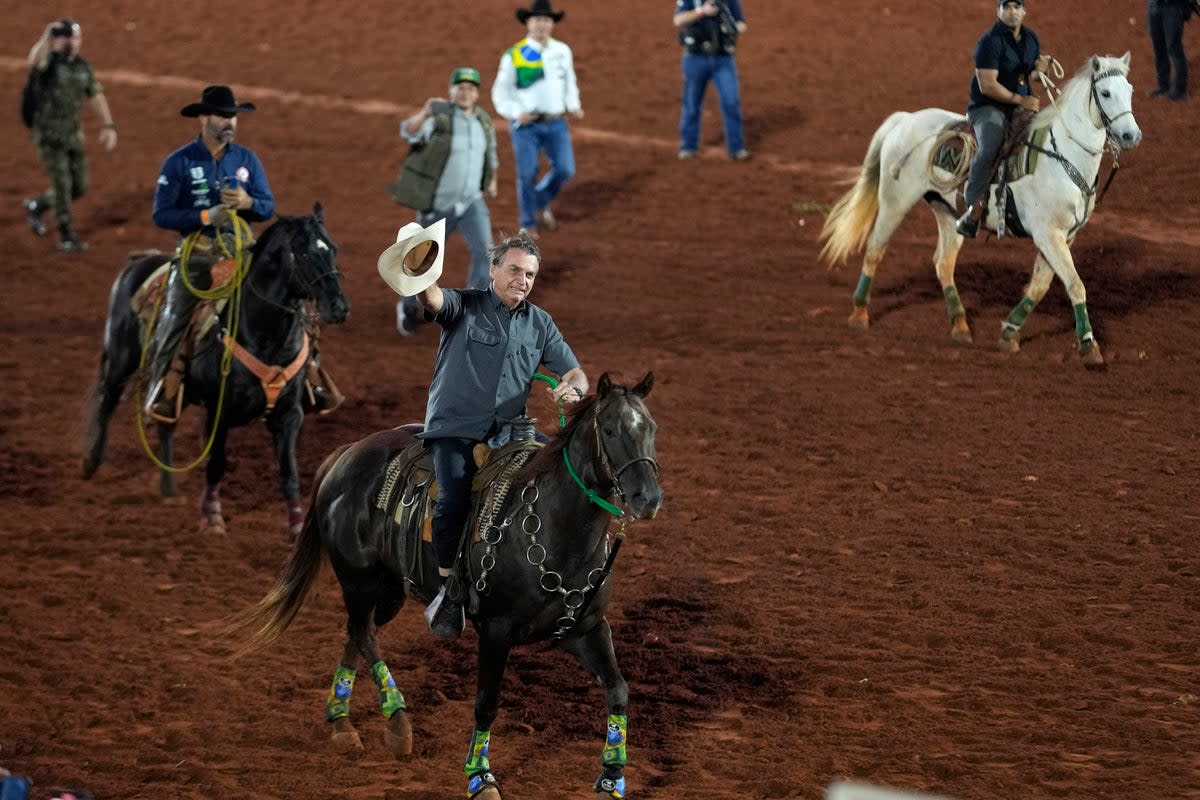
{"points": [[409, 494]]}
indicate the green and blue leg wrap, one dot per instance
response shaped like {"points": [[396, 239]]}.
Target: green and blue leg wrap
{"points": [[612, 780], [390, 699], [862, 293], [1016, 319], [477, 768], [954, 305], [337, 706], [1083, 328]]}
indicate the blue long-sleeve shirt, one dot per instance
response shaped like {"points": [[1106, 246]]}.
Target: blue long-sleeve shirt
{"points": [[190, 181]]}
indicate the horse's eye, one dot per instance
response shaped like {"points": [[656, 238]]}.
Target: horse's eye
{"points": [[1106, 93], [609, 432]]}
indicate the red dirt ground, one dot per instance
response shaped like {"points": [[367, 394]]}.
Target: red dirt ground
{"points": [[883, 557]]}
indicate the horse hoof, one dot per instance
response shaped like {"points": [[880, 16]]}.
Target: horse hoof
{"points": [[213, 524], [172, 499], [1009, 345], [490, 793], [345, 739], [1092, 358], [960, 332], [859, 318], [87, 468], [398, 735]]}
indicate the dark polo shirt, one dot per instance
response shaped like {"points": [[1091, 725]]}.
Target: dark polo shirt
{"points": [[997, 49], [485, 361]]}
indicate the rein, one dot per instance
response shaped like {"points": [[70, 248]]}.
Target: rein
{"points": [[1106, 122]]}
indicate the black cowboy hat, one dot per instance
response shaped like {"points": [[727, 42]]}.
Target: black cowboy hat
{"points": [[216, 100], [540, 8]]}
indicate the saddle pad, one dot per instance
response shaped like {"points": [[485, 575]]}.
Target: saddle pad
{"points": [[146, 299]]}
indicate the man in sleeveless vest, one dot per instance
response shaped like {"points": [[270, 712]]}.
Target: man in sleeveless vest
{"points": [[1006, 56], [449, 168], [535, 89], [62, 80]]}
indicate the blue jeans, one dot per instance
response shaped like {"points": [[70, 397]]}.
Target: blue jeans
{"points": [[454, 469], [990, 124], [475, 226], [698, 70], [528, 141]]}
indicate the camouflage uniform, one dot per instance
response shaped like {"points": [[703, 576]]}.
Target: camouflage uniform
{"points": [[57, 133]]}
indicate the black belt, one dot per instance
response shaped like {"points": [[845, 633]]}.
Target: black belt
{"points": [[540, 118]]}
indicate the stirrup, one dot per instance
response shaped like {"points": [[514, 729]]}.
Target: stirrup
{"points": [[156, 407]]}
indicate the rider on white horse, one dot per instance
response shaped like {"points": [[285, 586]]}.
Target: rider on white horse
{"points": [[1005, 57]]}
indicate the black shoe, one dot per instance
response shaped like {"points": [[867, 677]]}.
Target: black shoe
{"points": [[33, 215], [1158, 92], [68, 241], [324, 401], [1179, 96], [967, 226], [445, 616]]}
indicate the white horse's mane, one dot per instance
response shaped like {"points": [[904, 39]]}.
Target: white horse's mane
{"points": [[1080, 82]]}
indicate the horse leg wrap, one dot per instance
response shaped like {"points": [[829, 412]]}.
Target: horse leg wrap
{"points": [[612, 779], [210, 501], [390, 699], [954, 305], [614, 743], [337, 706], [479, 782], [1016, 319], [477, 755], [862, 293], [1083, 328]]}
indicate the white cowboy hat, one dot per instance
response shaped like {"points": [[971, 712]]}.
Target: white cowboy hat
{"points": [[414, 262]]}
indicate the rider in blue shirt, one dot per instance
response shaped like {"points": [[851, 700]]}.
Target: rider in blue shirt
{"points": [[197, 186], [1006, 56]]}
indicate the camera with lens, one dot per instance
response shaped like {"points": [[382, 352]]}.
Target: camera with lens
{"points": [[712, 35]]}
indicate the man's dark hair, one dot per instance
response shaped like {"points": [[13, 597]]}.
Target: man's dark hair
{"points": [[518, 241], [66, 27]]}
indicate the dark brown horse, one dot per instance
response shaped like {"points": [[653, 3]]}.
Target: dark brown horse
{"points": [[294, 260], [536, 573]]}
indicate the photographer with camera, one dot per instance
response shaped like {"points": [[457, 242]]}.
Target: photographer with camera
{"points": [[60, 79], [1164, 20], [708, 31]]}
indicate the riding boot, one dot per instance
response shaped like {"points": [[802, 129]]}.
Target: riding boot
{"points": [[172, 323], [968, 224], [321, 393], [445, 615]]}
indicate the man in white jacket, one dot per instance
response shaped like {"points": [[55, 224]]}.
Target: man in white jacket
{"points": [[535, 89]]}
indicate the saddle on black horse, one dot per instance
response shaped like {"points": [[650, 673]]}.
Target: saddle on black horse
{"points": [[409, 494]]}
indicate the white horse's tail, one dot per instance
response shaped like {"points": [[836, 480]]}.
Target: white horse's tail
{"points": [[852, 216]]}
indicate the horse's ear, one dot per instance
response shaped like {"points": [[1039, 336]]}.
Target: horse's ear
{"points": [[1125, 59], [319, 213], [1095, 63], [644, 385], [604, 386]]}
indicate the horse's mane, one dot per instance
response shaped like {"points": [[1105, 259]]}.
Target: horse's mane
{"points": [[273, 234], [548, 458], [1080, 82]]}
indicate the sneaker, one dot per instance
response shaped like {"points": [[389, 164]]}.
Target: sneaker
{"points": [[68, 242], [405, 323], [546, 219], [685, 154], [966, 226], [33, 215], [740, 155], [1158, 92], [445, 617]]}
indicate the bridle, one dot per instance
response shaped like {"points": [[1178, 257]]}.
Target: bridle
{"points": [[614, 476], [297, 275]]}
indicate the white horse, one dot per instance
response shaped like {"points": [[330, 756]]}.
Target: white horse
{"points": [[1063, 147]]}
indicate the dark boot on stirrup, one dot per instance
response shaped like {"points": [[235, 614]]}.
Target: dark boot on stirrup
{"points": [[968, 224], [445, 615], [165, 400], [320, 391]]}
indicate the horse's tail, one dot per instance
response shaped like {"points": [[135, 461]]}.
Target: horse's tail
{"points": [[275, 612], [850, 220]]}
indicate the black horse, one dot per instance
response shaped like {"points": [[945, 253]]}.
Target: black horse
{"points": [[294, 260], [536, 573]]}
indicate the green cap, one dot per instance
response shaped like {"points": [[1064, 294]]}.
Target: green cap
{"points": [[468, 74]]}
